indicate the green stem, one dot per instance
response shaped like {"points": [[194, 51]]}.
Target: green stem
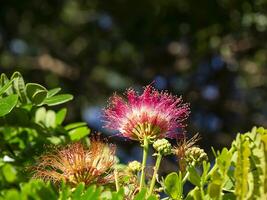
{"points": [[145, 154], [202, 192], [185, 177], [156, 168], [116, 179]]}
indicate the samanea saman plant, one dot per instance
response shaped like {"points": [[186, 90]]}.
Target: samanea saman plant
{"points": [[43, 159]]}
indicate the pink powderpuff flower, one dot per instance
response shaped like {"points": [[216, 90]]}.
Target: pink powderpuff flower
{"points": [[151, 115]]}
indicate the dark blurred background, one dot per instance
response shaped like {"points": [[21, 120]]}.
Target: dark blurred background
{"points": [[212, 52]]}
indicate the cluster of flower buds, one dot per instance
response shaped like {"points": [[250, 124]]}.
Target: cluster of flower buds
{"points": [[163, 147], [134, 166], [196, 155]]}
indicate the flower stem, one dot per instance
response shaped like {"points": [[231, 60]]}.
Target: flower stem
{"points": [[185, 177], [116, 179], [156, 168], [145, 153]]}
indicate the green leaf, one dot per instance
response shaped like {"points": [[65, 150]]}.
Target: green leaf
{"points": [[18, 117], [60, 116], [37, 189], [40, 115], [92, 193], [53, 92], [141, 195], [242, 167], [194, 194], [75, 125], [258, 161], [214, 190], [3, 79], [64, 191], [45, 192], [5, 87], [9, 173], [152, 197], [12, 194], [205, 167], [58, 99], [19, 86], [5, 84], [223, 160], [264, 165], [31, 89], [173, 185], [78, 133], [55, 140], [106, 195], [118, 195], [39, 97], [194, 177], [50, 119], [215, 187], [7, 104], [36, 93], [229, 196], [78, 191]]}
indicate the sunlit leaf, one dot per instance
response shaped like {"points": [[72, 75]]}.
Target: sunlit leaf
{"points": [[12, 194], [40, 115], [53, 92], [75, 125], [242, 168], [9, 172], [141, 195], [5, 84], [19, 86], [60, 116], [173, 185], [58, 99], [50, 119], [7, 104], [194, 177], [78, 133]]}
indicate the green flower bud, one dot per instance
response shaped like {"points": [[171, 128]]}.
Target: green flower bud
{"points": [[134, 166], [195, 154], [163, 146]]}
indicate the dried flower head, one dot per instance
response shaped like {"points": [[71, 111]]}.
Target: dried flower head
{"points": [[75, 163], [181, 149], [151, 115]]}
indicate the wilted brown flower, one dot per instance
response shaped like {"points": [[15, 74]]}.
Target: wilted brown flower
{"points": [[181, 148], [75, 164]]}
